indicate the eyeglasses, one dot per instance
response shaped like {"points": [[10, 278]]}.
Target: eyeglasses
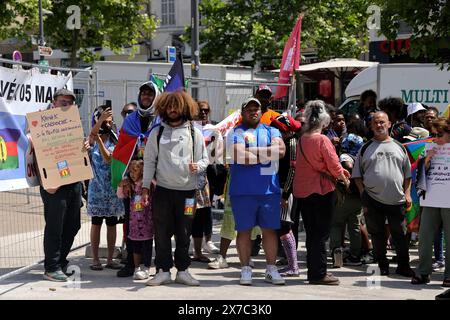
{"points": [[204, 111]]}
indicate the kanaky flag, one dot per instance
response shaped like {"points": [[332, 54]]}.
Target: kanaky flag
{"points": [[291, 59], [130, 138], [175, 78], [8, 148], [416, 151]]}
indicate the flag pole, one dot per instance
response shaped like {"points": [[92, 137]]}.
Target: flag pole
{"points": [[292, 107]]}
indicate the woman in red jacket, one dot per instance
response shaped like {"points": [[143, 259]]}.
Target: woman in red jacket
{"points": [[316, 172]]}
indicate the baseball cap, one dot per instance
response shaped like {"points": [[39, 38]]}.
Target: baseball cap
{"points": [[64, 92], [286, 123], [264, 87], [417, 133], [248, 101], [414, 107]]}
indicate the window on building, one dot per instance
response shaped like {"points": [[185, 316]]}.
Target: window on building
{"points": [[168, 12]]}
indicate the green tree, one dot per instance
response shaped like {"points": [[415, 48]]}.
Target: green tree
{"points": [[429, 20], [19, 18], [114, 24], [233, 29]]}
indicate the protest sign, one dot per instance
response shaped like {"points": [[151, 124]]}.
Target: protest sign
{"points": [[21, 92], [438, 178], [58, 139]]}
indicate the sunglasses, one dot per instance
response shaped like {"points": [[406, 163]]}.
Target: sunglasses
{"points": [[438, 135], [204, 111], [127, 112]]}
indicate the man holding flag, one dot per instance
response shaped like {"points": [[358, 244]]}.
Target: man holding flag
{"points": [[133, 137]]}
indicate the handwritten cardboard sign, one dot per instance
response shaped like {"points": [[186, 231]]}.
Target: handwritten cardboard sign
{"points": [[58, 137], [438, 178]]}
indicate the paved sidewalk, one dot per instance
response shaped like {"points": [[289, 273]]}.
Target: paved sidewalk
{"points": [[218, 284]]}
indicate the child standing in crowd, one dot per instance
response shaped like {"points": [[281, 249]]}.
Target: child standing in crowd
{"points": [[141, 224], [351, 143], [102, 202]]}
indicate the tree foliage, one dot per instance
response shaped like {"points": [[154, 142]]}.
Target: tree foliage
{"points": [[232, 30], [113, 24], [430, 23]]}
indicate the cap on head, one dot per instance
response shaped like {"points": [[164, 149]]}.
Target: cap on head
{"points": [[414, 107], [417, 133], [249, 101], [264, 89], [286, 123], [64, 92]]}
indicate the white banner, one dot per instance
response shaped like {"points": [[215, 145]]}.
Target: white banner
{"points": [[438, 178], [21, 92]]}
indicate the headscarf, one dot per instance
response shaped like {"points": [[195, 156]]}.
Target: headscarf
{"points": [[149, 111]]}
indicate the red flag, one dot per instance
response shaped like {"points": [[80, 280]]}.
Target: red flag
{"points": [[291, 59]]}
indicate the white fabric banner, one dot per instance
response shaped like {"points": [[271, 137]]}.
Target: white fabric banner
{"points": [[21, 92]]}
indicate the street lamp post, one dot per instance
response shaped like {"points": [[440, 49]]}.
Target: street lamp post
{"points": [[41, 29], [195, 52]]}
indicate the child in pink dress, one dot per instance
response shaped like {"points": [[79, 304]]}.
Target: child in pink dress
{"points": [[141, 222]]}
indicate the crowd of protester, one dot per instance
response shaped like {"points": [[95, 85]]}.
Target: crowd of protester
{"points": [[344, 176]]}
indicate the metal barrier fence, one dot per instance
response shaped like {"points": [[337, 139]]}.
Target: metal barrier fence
{"points": [[224, 96], [21, 211]]}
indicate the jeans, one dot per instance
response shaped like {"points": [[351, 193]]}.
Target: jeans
{"points": [[431, 220], [62, 222], [169, 219], [317, 212], [439, 245], [377, 213], [347, 215]]}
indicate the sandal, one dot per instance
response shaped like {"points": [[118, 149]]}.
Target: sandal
{"points": [[446, 283], [113, 265], [201, 258], [422, 279], [96, 267]]}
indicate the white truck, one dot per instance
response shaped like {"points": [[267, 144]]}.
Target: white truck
{"points": [[118, 81], [413, 82]]}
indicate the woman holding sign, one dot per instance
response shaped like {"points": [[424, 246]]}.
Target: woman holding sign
{"points": [[103, 203], [432, 218]]}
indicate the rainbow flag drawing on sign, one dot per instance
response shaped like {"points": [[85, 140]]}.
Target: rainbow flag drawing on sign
{"points": [[416, 151], [8, 148]]}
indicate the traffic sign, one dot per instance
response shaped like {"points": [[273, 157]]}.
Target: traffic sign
{"points": [[171, 54], [17, 56], [44, 66], [45, 51]]}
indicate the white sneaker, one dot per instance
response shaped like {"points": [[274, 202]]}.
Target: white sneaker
{"points": [[210, 247], [218, 263], [273, 276], [246, 276], [140, 274], [191, 247], [159, 279], [184, 277], [338, 260]]}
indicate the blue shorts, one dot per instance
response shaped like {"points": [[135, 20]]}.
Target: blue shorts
{"points": [[251, 211]]}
